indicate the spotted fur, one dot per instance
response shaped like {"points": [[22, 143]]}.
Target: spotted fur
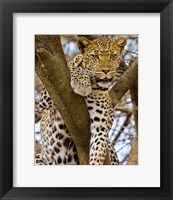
{"points": [[92, 72]]}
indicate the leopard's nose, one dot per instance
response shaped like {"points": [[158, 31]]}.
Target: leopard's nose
{"points": [[105, 70]]}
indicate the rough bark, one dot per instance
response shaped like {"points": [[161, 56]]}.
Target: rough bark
{"points": [[107, 159], [51, 67], [134, 97], [133, 156], [125, 83]]}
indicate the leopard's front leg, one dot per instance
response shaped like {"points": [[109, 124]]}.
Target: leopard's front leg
{"points": [[101, 119], [80, 80], [98, 144], [101, 115]]}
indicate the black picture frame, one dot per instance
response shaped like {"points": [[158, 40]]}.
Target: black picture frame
{"points": [[7, 8]]}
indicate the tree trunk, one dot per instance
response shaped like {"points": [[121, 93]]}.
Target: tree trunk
{"points": [[133, 157], [51, 67]]}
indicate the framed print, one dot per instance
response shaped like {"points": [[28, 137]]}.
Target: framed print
{"points": [[74, 76]]}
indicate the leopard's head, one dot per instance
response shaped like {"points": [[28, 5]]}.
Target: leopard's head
{"points": [[102, 57]]}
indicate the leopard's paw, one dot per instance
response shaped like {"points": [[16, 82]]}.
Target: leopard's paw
{"points": [[81, 85]]}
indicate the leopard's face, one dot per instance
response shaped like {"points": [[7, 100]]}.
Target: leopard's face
{"points": [[102, 57]]}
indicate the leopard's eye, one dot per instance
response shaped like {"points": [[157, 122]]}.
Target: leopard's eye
{"points": [[114, 55]]}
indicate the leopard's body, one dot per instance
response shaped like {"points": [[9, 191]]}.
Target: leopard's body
{"points": [[92, 72]]}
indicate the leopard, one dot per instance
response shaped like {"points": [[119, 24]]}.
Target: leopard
{"points": [[92, 70]]}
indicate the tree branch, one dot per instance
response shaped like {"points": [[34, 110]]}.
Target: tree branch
{"points": [[122, 109], [126, 122], [126, 81]]}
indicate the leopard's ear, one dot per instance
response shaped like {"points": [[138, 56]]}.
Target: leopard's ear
{"points": [[121, 42], [83, 43]]}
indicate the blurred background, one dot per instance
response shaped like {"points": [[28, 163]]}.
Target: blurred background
{"points": [[123, 130]]}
